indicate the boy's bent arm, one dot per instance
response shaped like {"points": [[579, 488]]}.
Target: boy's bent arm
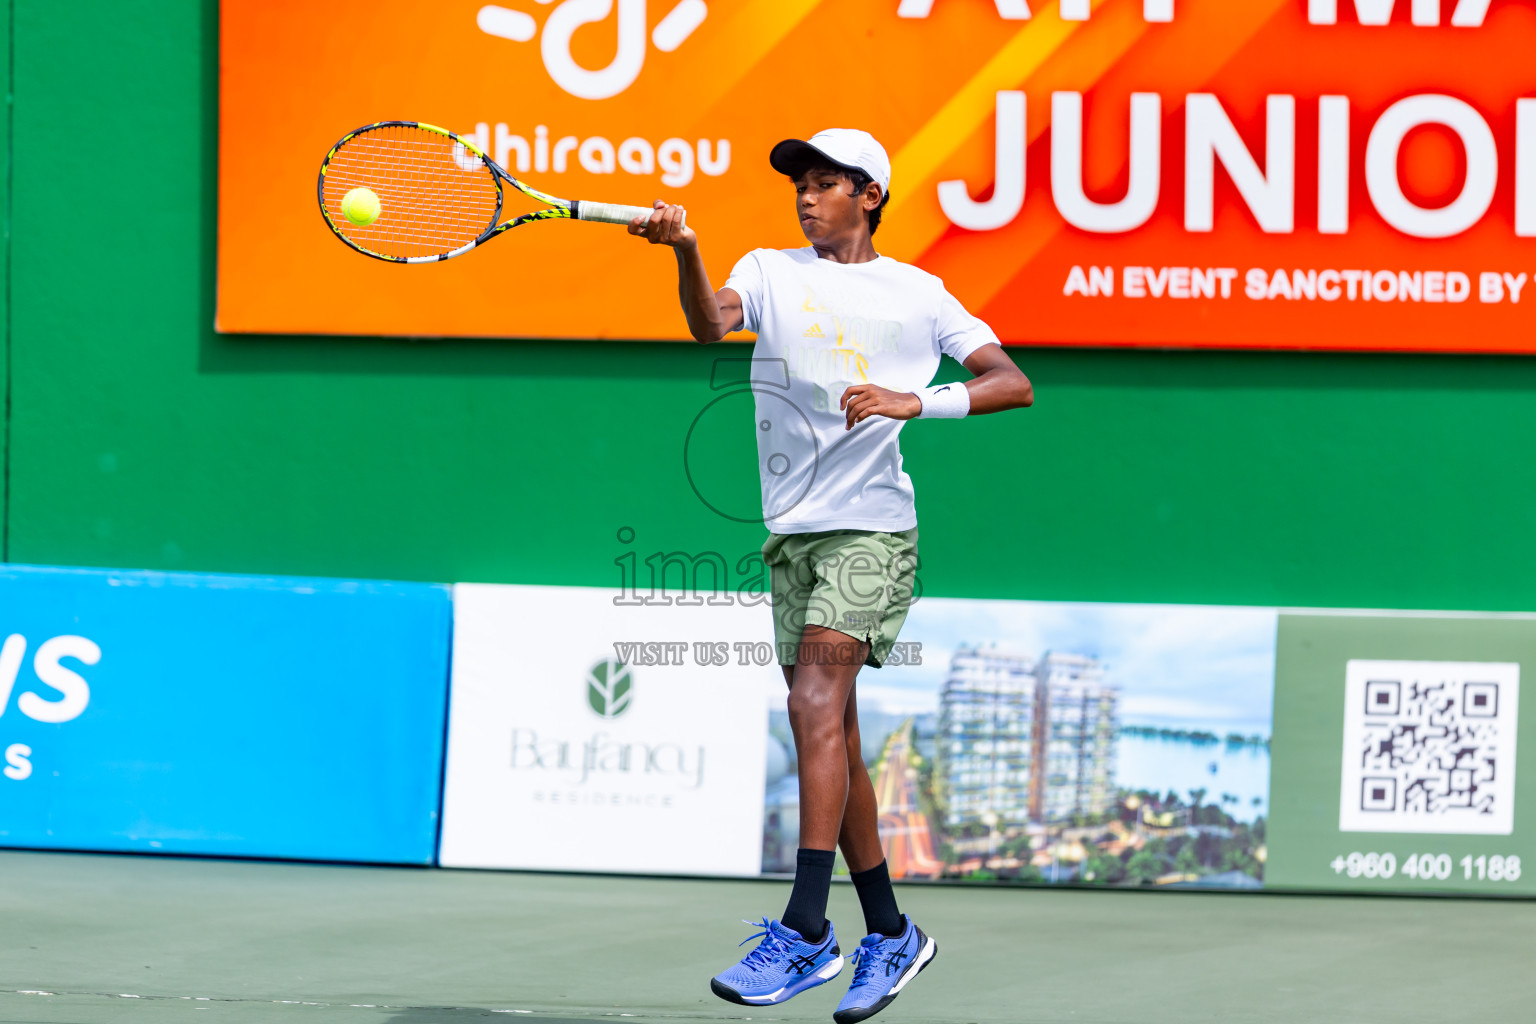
{"points": [[711, 315], [998, 383]]}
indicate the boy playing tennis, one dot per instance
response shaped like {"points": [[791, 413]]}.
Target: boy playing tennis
{"points": [[861, 335]]}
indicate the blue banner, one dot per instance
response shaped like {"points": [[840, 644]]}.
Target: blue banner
{"points": [[229, 715]]}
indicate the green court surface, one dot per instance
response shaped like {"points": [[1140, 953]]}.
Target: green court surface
{"points": [[98, 939]]}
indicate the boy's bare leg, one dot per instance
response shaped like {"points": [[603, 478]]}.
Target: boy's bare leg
{"points": [[837, 799]]}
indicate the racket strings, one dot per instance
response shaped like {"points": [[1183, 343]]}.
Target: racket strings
{"points": [[434, 196]]}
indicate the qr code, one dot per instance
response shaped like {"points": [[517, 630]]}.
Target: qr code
{"points": [[1429, 746]]}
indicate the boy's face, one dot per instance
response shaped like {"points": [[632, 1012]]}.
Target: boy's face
{"points": [[829, 209]]}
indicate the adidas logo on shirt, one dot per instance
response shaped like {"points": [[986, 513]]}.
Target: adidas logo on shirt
{"points": [[814, 331]]}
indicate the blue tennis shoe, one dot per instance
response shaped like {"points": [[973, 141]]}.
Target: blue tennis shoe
{"points": [[783, 965], [884, 966]]}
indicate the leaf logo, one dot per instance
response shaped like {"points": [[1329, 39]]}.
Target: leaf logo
{"points": [[609, 685]]}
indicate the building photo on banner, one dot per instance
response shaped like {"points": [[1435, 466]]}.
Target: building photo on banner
{"points": [[1054, 742], [1270, 173]]}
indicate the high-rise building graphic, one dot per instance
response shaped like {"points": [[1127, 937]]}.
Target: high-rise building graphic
{"points": [[984, 744], [1024, 740], [1077, 733]]}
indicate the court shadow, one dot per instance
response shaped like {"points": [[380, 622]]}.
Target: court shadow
{"points": [[464, 1014]]}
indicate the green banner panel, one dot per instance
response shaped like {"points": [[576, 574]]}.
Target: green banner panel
{"points": [[1394, 755]]}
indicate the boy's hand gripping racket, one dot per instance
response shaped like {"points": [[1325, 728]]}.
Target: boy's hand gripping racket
{"points": [[408, 192]]}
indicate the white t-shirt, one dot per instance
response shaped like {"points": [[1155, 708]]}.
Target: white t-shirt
{"points": [[830, 326]]}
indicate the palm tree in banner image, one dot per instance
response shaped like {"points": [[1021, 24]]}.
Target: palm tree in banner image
{"points": [[1195, 796]]}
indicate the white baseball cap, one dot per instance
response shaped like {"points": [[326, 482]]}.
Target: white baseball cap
{"points": [[846, 147]]}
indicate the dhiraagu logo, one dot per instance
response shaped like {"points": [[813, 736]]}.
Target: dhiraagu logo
{"points": [[610, 683], [562, 23]]}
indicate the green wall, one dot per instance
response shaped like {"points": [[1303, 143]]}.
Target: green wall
{"points": [[138, 437]]}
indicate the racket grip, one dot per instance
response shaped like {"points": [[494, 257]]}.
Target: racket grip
{"points": [[610, 213]]}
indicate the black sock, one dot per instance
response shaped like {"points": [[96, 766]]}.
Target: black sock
{"points": [[879, 901], [807, 910]]}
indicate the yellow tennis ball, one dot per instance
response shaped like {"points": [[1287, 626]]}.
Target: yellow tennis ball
{"points": [[361, 206]]}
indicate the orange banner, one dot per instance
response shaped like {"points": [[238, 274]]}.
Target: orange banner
{"points": [[1345, 174]]}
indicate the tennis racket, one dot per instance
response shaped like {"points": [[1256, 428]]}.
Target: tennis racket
{"points": [[439, 195]]}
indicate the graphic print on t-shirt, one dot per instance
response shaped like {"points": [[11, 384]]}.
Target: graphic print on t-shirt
{"points": [[837, 356], [837, 325]]}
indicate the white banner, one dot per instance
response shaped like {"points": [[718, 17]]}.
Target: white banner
{"points": [[585, 736]]}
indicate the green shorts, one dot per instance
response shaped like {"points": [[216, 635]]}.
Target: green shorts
{"points": [[857, 582]]}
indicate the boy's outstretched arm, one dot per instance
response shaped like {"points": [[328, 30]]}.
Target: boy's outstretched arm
{"points": [[711, 314]]}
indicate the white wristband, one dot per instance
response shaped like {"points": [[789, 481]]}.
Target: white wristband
{"points": [[944, 402]]}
